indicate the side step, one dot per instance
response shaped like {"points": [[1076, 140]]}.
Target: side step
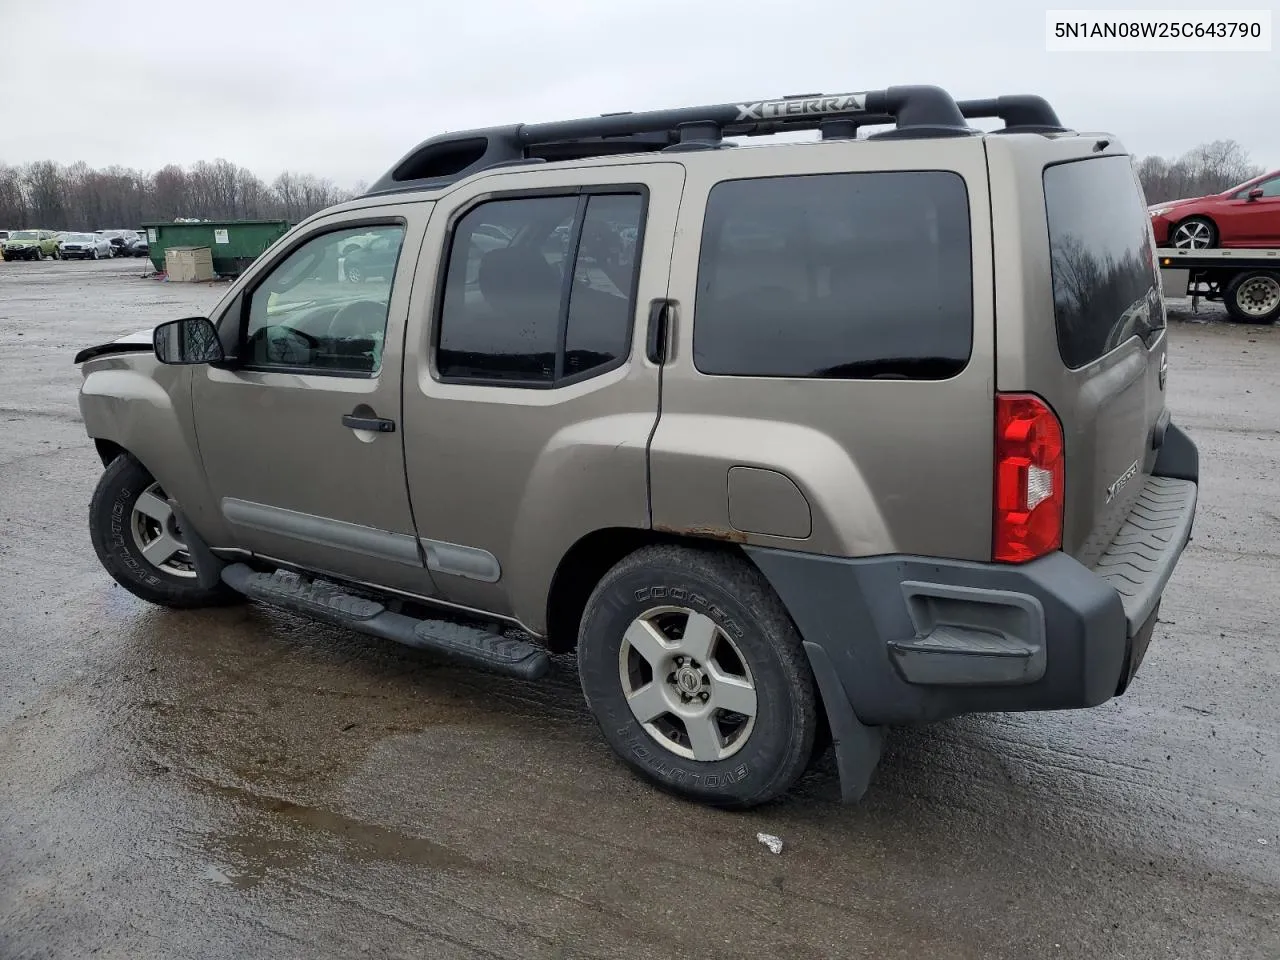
{"points": [[327, 601]]}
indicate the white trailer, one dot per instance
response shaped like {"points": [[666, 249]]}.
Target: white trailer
{"points": [[1247, 282]]}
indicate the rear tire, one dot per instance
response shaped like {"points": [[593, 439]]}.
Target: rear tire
{"points": [[1254, 297], [671, 632], [121, 528]]}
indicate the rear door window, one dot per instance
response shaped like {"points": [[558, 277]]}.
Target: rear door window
{"points": [[1105, 290], [540, 291], [844, 276]]}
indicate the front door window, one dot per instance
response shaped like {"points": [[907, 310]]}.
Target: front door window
{"points": [[312, 314]]}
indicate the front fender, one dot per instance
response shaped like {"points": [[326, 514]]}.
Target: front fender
{"points": [[144, 407]]}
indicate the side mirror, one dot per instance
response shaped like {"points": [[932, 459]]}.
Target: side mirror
{"points": [[1255, 193], [190, 340]]}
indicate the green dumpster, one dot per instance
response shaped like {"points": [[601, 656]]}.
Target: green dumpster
{"points": [[234, 243]]}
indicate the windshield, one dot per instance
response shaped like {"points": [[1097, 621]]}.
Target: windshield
{"points": [[23, 235], [79, 236]]}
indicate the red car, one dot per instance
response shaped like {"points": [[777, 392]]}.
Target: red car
{"points": [[1244, 216]]}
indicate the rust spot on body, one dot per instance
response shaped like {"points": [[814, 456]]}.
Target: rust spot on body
{"points": [[704, 530]]}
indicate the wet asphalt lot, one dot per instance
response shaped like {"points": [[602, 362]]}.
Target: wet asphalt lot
{"points": [[244, 783]]}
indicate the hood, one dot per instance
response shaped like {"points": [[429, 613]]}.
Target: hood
{"points": [[140, 342], [1178, 203]]}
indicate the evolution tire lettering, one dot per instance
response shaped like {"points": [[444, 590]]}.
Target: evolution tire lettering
{"points": [[140, 569], [669, 768]]}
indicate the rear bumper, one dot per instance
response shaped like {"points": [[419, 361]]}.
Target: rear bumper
{"points": [[914, 639]]}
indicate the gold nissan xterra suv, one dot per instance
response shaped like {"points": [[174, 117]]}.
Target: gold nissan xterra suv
{"points": [[789, 441]]}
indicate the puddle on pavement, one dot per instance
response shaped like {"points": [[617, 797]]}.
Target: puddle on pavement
{"points": [[279, 835], [246, 707]]}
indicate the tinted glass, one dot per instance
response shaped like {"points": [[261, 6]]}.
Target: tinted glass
{"points": [[501, 316], [847, 275], [505, 309], [1104, 281], [601, 304], [324, 307]]}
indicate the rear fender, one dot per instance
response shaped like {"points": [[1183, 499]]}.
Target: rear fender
{"points": [[804, 491]]}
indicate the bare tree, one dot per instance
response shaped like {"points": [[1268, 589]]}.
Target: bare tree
{"points": [[1208, 168], [287, 194], [45, 192], [14, 211]]}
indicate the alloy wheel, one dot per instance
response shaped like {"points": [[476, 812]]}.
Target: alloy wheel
{"points": [[156, 533], [687, 683]]}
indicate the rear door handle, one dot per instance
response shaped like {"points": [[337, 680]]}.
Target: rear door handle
{"points": [[659, 332], [373, 424]]}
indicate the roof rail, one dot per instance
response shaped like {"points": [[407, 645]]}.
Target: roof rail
{"points": [[1021, 113], [916, 111]]}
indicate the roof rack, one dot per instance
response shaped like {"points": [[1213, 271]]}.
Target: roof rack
{"points": [[915, 111], [1021, 113]]}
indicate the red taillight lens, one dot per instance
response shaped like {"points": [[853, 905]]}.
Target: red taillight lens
{"points": [[1029, 480]]}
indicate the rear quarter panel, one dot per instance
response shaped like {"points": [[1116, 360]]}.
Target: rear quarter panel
{"points": [[886, 466]]}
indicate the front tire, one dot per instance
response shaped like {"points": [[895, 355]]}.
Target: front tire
{"points": [[697, 677], [1194, 233], [138, 541]]}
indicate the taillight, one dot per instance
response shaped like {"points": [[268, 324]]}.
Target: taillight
{"points": [[1029, 479]]}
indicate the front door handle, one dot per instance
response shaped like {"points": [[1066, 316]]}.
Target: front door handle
{"points": [[373, 424]]}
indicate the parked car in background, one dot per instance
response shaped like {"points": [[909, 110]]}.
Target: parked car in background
{"points": [[86, 246], [372, 255], [120, 240], [1247, 215], [31, 245], [139, 247], [4, 235]]}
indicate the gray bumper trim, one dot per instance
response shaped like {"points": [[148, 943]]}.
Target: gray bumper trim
{"points": [[1141, 558]]}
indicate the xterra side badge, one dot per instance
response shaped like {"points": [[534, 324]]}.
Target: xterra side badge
{"points": [[1118, 483]]}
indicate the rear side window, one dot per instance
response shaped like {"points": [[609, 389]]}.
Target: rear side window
{"points": [[540, 290], [1104, 276], [849, 275]]}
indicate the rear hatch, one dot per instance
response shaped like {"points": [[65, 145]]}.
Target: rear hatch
{"points": [[1109, 321]]}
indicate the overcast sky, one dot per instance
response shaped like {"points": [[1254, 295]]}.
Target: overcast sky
{"points": [[343, 89]]}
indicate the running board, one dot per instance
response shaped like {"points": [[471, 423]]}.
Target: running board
{"points": [[327, 601]]}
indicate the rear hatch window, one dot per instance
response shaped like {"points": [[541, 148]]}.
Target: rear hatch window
{"points": [[1105, 288]]}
